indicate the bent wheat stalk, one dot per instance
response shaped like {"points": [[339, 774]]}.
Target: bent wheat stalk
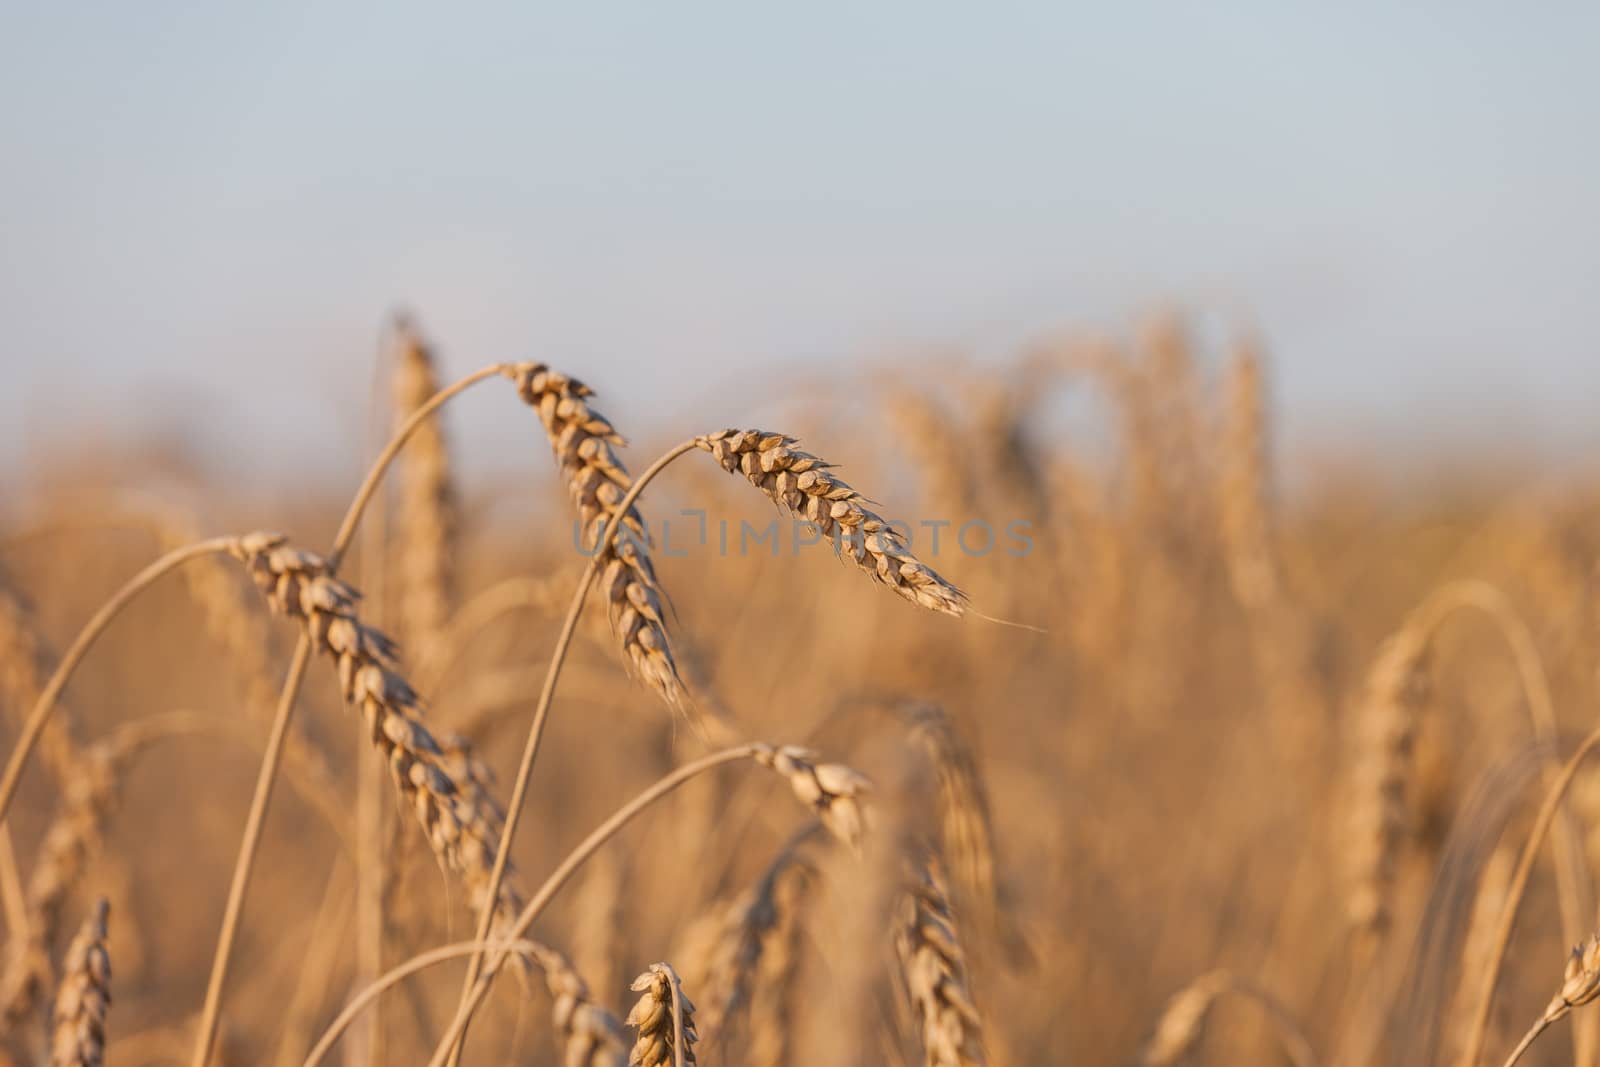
{"points": [[1579, 986], [260, 800], [86, 638], [1551, 804], [833, 792]]}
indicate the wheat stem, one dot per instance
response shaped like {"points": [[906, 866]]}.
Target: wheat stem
{"points": [[1479, 1028], [80, 648], [599, 836], [291, 690], [398, 974], [530, 751]]}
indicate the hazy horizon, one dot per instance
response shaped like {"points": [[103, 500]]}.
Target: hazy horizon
{"points": [[209, 214]]}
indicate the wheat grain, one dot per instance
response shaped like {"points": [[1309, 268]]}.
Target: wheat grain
{"points": [[664, 1019], [84, 997], [801, 483]]}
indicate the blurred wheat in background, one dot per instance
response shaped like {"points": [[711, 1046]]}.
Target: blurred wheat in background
{"points": [[1150, 758]]}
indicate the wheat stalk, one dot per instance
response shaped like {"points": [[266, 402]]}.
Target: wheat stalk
{"points": [[1580, 985], [83, 998], [802, 483], [664, 1019], [441, 782], [828, 789]]}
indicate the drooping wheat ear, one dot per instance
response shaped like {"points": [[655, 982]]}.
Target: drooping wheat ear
{"points": [[1580, 985], [934, 969], [1382, 778], [84, 997], [426, 514], [802, 483], [583, 442], [743, 933], [836, 793], [438, 782], [71, 839], [1183, 1022], [1248, 536], [664, 1019], [966, 831]]}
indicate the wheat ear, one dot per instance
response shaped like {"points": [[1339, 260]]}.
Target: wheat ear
{"points": [[934, 969], [1580, 985], [426, 513], [78, 1027], [664, 1020], [584, 442], [803, 484]]}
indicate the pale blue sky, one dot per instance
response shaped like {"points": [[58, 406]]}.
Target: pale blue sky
{"points": [[207, 210]]}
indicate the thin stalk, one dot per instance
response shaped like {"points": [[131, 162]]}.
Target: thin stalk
{"points": [[1527, 1040], [1514, 893], [80, 648], [291, 690], [678, 1042], [530, 751], [569, 866], [431, 958]]}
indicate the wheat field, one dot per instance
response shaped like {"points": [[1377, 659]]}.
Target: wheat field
{"points": [[976, 742]]}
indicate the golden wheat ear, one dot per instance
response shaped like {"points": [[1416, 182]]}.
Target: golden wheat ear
{"points": [[83, 999]]}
